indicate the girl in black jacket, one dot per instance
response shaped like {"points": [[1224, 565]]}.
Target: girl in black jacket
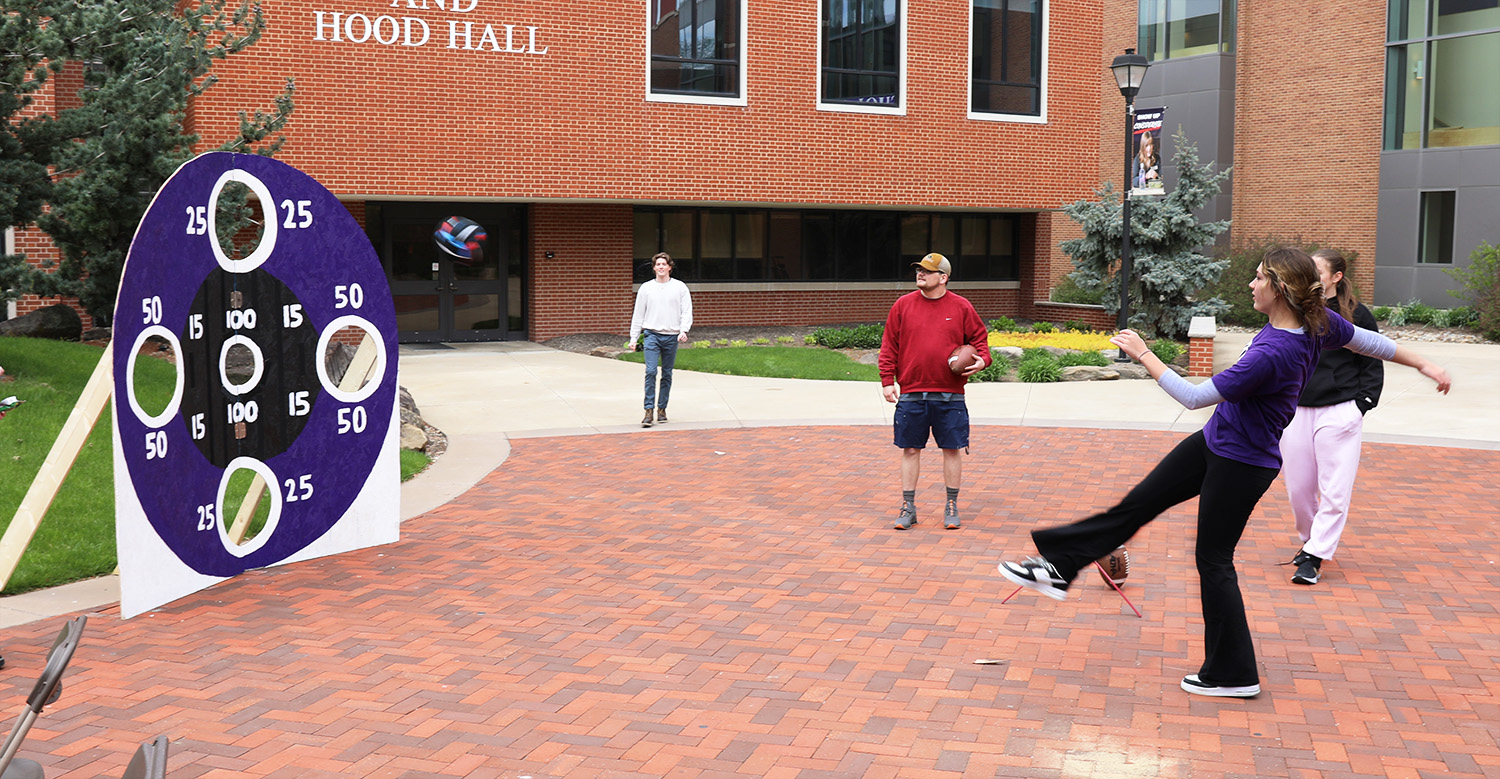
{"points": [[1320, 448]]}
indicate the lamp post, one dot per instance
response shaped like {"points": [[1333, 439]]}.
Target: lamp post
{"points": [[1130, 71]]}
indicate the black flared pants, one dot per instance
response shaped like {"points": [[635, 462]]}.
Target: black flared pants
{"points": [[1227, 492]]}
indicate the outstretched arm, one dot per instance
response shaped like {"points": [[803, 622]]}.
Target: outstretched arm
{"points": [[1372, 344], [1190, 395]]}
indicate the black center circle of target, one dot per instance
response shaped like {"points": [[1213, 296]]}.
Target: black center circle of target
{"points": [[227, 305]]}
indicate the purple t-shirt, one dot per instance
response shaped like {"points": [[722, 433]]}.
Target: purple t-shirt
{"points": [[1261, 389]]}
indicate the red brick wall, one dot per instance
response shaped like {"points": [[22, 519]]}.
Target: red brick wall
{"points": [[1307, 139], [574, 123]]}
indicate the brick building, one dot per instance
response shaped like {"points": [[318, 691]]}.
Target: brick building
{"points": [[1372, 125], [793, 157]]}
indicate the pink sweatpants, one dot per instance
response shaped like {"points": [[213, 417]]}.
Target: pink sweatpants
{"points": [[1320, 456]]}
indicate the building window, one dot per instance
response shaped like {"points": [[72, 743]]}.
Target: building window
{"points": [[715, 244], [1184, 28], [1436, 228], [862, 52], [1437, 93], [1007, 56], [696, 47]]}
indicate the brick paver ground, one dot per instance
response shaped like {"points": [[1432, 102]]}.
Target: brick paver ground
{"points": [[734, 603]]}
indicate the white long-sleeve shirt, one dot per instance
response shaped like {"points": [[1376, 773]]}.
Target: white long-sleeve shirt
{"points": [[662, 307]]}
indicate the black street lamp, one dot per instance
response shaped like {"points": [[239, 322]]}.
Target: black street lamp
{"points": [[1130, 71]]}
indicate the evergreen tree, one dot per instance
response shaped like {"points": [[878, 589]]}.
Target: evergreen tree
{"points": [[1166, 266], [143, 61]]}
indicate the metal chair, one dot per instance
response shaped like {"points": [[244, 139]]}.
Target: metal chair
{"points": [[48, 688]]}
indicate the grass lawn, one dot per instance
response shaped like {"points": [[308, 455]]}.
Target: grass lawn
{"points": [[76, 538], [776, 362]]}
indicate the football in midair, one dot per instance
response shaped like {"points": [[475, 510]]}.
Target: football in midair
{"points": [[961, 358]]}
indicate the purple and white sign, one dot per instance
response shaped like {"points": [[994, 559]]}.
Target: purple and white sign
{"points": [[253, 390]]}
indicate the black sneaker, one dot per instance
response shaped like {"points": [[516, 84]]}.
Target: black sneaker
{"points": [[1297, 559], [1197, 686], [907, 517], [950, 516], [1308, 570], [1036, 574]]}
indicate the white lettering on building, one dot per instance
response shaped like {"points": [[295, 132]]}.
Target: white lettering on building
{"points": [[414, 31]]}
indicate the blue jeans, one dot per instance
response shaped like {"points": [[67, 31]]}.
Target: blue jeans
{"points": [[661, 349]]}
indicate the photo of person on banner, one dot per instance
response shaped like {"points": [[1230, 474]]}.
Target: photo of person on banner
{"points": [[1146, 164]]}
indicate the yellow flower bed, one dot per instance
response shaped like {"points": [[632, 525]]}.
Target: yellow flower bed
{"points": [[1083, 342]]}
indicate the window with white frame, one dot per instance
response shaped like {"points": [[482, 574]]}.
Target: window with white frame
{"points": [[1007, 57], [862, 53], [697, 49]]}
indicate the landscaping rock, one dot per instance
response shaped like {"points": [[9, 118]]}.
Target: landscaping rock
{"points": [[57, 322], [1131, 371], [413, 437], [607, 352], [1089, 373], [1013, 352]]}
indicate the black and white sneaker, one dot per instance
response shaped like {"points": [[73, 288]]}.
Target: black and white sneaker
{"points": [[1037, 574], [1197, 686], [1308, 570]]}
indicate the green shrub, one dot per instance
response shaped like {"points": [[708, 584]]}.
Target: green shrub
{"points": [[1043, 327], [721, 342], [703, 344], [785, 339], [1244, 254], [1068, 291], [1381, 313], [1397, 317], [1076, 326], [810, 340], [1001, 324], [1418, 313], [1462, 316], [1166, 351], [1440, 318], [1070, 358], [995, 371], [737, 342], [761, 341], [1039, 369], [1481, 288], [861, 337], [1035, 353]]}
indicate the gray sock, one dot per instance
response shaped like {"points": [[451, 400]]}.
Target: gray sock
{"points": [[909, 496], [953, 494]]}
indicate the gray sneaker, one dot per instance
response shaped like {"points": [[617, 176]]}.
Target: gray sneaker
{"points": [[950, 516], [907, 517]]}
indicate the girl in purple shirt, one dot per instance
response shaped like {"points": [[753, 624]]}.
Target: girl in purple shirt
{"points": [[1228, 465]]}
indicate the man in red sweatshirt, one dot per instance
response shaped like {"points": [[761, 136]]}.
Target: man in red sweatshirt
{"points": [[921, 332]]}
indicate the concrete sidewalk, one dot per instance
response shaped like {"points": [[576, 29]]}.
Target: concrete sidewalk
{"points": [[485, 395]]}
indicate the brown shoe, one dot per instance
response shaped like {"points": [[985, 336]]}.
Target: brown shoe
{"points": [[646, 421], [661, 416]]}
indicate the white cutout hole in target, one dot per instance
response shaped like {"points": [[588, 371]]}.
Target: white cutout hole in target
{"points": [[268, 235], [351, 358], [153, 338], [245, 480], [235, 374]]}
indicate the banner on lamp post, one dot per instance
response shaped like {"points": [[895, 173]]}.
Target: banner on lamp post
{"points": [[1145, 176]]}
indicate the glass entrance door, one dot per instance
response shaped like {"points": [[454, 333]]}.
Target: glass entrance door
{"points": [[440, 297]]}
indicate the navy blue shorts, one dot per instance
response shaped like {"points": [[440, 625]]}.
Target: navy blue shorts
{"points": [[946, 420]]}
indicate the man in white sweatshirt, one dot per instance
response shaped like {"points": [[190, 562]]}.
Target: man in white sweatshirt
{"points": [[664, 311]]}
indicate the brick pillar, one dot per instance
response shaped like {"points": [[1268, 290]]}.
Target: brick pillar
{"points": [[1201, 346]]}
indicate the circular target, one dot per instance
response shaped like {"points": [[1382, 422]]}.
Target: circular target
{"points": [[252, 389]]}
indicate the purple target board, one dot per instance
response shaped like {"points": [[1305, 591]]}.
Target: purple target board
{"points": [[262, 394]]}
